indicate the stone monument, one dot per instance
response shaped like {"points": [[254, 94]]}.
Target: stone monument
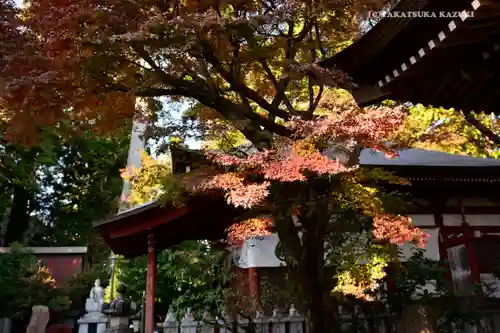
{"points": [[39, 318], [94, 321]]}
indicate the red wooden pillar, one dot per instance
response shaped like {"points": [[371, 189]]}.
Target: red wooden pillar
{"points": [[149, 322], [254, 287]]}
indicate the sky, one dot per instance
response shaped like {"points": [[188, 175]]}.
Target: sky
{"points": [[175, 111]]}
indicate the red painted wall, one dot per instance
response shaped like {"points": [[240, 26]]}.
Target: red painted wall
{"points": [[62, 266]]}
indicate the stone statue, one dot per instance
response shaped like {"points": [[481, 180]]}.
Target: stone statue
{"points": [[94, 307], [97, 292], [39, 319], [96, 298]]}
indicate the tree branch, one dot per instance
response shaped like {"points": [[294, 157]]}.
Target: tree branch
{"points": [[280, 90], [318, 98], [482, 128], [163, 76], [318, 40], [156, 92], [238, 85], [144, 92], [236, 113], [310, 89], [246, 121], [290, 52], [228, 109], [310, 85], [291, 242], [303, 33]]}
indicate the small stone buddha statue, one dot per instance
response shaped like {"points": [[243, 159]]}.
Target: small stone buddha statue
{"points": [[96, 298]]}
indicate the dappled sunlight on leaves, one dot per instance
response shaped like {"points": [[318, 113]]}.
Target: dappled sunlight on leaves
{"points": [[448, 131]]}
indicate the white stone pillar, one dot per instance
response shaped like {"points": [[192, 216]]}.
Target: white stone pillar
{"points": [[170, 325], [207, 324], [188, 324], [295, 320], [278, 322], [261, 323]]}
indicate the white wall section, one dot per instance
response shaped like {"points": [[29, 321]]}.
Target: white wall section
{"points": [[260, 251]]}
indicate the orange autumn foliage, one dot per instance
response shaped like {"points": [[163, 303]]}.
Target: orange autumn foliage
{"points": [[239, 232], [249, 182], [86, 60]]}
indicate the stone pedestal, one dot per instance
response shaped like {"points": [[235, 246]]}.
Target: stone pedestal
{"points": [[279, 321], [116, 322], [261, 323], [119, 324], [188, 324], [92, 323]]}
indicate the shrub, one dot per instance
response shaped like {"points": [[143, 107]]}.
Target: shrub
{"points": [[25, 282]]}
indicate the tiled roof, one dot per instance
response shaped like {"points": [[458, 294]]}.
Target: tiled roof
{"points": [[422, 157]]}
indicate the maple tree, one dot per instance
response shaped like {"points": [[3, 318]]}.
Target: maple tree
{"points": [[310, 198], [87, 59]]}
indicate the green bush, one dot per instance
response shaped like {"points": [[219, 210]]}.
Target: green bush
{"points": [[25, 282]]}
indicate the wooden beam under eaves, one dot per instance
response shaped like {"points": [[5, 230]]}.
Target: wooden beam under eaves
{"points": [[151, 224]]}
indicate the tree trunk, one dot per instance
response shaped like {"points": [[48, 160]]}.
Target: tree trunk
{"points": [[306, 263], [314, 287], [19, 217], [322, 317]]}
